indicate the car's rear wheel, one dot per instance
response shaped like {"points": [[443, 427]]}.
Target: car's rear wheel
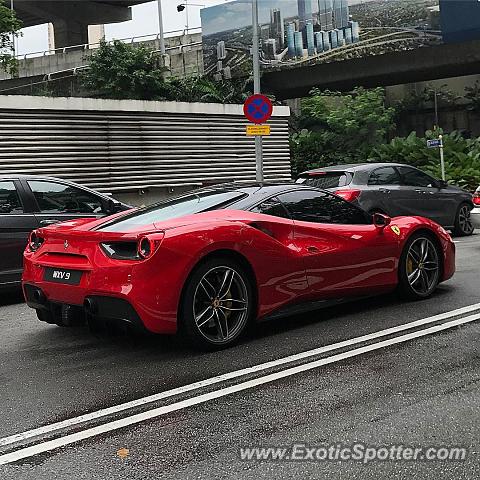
{"points": [[419, 268], [217, 304], [463, 222]]}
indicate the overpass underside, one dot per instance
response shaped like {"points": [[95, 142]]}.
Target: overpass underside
{"points": [[71, 18], [423, 64]]}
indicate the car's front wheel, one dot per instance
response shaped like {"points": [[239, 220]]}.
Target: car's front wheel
{"points": [[463, 222], [419, 268], [217, 304]]}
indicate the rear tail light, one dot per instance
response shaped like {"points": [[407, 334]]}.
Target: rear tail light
{"points": [[35, 241], [145, 247], [140, 249], [348, 195], [476, 198]]}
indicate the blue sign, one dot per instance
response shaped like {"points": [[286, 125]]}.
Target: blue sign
{"points": [[258, 108], [436, 143]]}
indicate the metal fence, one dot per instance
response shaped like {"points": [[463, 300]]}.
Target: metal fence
{"points": [[126, 145]]}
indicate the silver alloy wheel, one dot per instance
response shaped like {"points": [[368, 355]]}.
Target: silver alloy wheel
{"points": [[464, 220], [220, 304], [423, 266]]}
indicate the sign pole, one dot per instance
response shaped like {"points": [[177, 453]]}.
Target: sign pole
{"points": [[442, 158], [257, 88], [161, 35]]}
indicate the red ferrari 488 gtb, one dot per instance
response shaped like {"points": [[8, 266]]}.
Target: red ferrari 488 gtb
{"points": [[212, 261]]}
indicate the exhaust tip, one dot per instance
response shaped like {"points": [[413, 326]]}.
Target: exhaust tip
{"points": [[39, 297], [90, 306]]}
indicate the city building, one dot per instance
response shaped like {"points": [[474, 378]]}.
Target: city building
{"points": [[341, 14], [319, 42], [291, 40], [355, 31], [221, 50], [334, 38], [310, 39], [298, 44], [348, 35], [340, 37], [326, 41], [304, 13], [277, 29], [325, 14], [270, 48]]}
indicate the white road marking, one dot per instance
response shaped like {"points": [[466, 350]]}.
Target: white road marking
{"points": [[229, 376], [157, 412]]}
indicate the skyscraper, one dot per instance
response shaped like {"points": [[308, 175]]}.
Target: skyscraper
{"points": [[326, 41], [221, 51], [310, 39], [334, 38], [355, 31], [270, 48], [304, 12], [298, 44], [277, 29], [325, 14], [319, 41], [291, 40]]}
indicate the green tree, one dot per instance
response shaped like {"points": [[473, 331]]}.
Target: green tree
{"points": [[340, 128], [9, 25], [124, 71]]}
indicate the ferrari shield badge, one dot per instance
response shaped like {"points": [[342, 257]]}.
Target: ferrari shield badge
{"points": [[395, 229]]}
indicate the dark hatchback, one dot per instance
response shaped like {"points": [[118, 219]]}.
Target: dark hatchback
{"points": [[30, 202], [396, 189]]}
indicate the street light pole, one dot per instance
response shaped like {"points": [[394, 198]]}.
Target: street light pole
{"points": [[161, 33], [257, 88], [13, 33]]}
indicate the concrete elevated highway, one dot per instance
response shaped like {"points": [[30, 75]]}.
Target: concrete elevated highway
{"points": [[421, 64], [71, 19]]}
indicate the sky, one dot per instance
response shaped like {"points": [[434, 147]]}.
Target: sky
{"points": [[144, 22]]}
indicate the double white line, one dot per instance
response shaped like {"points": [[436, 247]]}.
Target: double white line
{"points": [[67, 439]]}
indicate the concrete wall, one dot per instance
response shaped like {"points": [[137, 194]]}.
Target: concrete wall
{"points": [[185, 58]]}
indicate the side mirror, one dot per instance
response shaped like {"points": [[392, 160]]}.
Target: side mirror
{"points": [[113, 206], [442, 184], [381, 221]]}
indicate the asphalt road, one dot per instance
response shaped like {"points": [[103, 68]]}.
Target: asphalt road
{"points": [[419, 392]]}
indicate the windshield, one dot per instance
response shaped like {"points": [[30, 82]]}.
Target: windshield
{"points": [[175, 208], [326, 180]]}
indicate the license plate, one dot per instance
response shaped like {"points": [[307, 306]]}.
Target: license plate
{"points": [[59, 275]]}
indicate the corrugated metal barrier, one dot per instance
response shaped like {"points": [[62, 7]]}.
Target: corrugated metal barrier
{"points": [[127, 145]]}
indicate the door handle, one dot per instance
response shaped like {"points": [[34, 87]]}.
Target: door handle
{"points": [[384, 190], [46, 223], [313, 249]]}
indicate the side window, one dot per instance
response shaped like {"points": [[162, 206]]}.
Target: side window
{"points": [[319, 207], [55, 197], [415, 178], [9, 198], [273, 207], [384, 176]]}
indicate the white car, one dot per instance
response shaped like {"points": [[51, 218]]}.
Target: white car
{"points": [[475, 213]]}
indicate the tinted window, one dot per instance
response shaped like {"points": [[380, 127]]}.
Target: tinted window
{"points": [[178, 207], [384, 176], [415, 178], [9, 198], [272, 207], [319, 207], [55, 197]]}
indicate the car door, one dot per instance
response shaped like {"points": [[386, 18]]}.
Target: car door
{"points": [[343, 252], [383, 192], [57, 202], [16, 223], [425, 198]]}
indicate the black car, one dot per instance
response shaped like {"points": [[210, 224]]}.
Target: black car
{"points": [[30, 202], [396, 189]]}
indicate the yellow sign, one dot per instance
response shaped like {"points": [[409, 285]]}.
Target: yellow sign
{"points": [[258, 130], [395, 230]]}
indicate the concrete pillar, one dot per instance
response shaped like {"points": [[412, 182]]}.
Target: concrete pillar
{"points": [[70, 32]]}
